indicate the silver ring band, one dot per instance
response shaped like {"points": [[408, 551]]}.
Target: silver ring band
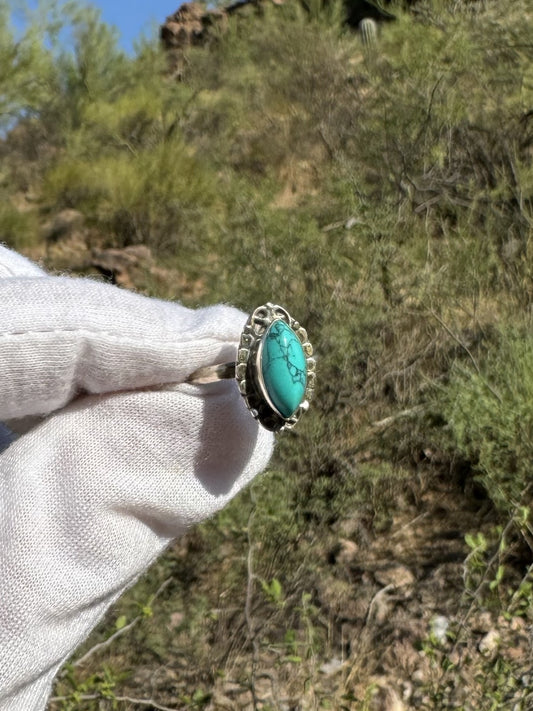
{"points": [[212, 373]]}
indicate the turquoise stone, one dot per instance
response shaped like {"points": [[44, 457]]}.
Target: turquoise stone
{"points": [[283, 368]]}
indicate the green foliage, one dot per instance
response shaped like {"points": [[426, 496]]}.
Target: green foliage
{"points": [[19, 228], [387, 204], [98, 687], [273, 591], [489, 413], [157, 197], [121, 622], [27, 69], [93, 68]]}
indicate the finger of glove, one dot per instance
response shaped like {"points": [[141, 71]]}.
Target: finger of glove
{"points": [[13, 264], [90, 497], [60, 336]]}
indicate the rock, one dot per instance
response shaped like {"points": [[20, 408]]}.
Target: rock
{"points": [[69, 252], [518, 652], [402, 654], [512, 250], [456, 656], [332, 667], [351, 528], [489, 643], [348, 551], [219, 701], [396, 575], [518, 624], [482, 622], [187, 27], [407, 690], [418, 676], [119, 265], [176, 618], [386, 698], [439, 628], [62, 225]]}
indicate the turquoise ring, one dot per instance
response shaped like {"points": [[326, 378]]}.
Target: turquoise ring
{"points": [[274, 369]]}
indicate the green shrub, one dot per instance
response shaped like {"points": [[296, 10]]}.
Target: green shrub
{"points": [[490, 415], [18, 229], [28, 72], [163, 197]]}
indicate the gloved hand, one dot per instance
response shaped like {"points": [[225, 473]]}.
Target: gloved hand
{"points": [[114, 462]]}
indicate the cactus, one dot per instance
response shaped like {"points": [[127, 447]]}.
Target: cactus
{"points": [[369, 34]]}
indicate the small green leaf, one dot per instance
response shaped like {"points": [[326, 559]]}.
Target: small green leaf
{"points": [[273, 590], [200, 696], [121, 622], [498, 578], [469, 539]]}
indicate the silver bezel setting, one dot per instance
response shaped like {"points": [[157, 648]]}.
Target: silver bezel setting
{"points": [[248, 367]]}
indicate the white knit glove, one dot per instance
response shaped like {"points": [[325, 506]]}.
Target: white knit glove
{"points": [[114, 466]]}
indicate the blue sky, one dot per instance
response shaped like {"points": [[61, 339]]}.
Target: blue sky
{"points": [[133, 17]]}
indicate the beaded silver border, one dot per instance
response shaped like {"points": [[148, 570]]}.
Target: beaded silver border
{"points": [[248, 371]]}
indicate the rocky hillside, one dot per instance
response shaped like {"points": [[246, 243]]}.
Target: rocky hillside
{"points": [[378, 183]]}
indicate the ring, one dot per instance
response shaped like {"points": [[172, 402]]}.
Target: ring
{"points": [[274, 369]]}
